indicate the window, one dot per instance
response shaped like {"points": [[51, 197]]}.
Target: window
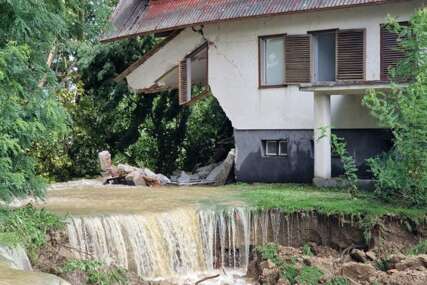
{"points": [[271, 148], [391, 52], [272, 61], [193, 72], [324, 56], [275, 147], [331, 55], [283, 148]]}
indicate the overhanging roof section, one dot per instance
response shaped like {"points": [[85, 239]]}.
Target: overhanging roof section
{"points": [[137, 17]]}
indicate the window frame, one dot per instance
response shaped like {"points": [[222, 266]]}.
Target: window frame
{"points": [[315, 55], [261, 39], [277, 143], [266, 142], [384, 76], [279, 153]]}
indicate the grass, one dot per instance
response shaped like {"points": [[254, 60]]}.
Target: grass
{"points": [[292, 198], [420, 248]]}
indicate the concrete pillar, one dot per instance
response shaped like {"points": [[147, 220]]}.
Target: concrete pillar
{"points": [[322, 145]]}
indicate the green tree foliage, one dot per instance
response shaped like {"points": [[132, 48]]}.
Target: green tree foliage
{"points": [[105, 114], [161, 135], [173, 137], [29, 111], [209, 134], [401, 175], [150, 130]]}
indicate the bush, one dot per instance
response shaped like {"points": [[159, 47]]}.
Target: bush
{"points": [[269, 252], [309, 275], [401, 175], [97, 273], [28, 227]]}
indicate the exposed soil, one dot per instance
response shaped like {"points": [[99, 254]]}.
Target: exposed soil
{"points": [[337, 242], [355, 266]]}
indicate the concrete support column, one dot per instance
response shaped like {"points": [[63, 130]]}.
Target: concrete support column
{"points": [[322, 138]]}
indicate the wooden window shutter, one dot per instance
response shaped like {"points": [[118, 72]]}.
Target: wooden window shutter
{"points": [[298, 59], [182, 82], [390, 52], [350, 55]]}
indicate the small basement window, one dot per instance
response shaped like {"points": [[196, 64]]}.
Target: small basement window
{"points": [[272, 61], [283, 148], [275, 147], [271, 148]]}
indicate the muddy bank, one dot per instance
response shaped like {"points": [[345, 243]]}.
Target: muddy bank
{"points": [[315, 264], [197, 242]]}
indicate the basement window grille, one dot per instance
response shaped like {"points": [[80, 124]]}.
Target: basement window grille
{"points": [[275, 147], [283, 148], [271, 148]]}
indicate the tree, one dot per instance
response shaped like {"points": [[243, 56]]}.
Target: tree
{"points": [[401, 175], [29, 111]]}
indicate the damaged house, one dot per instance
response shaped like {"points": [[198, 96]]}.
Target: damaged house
{"points": [[280, 69]]}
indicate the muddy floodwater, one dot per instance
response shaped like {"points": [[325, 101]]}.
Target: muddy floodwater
{"points": [[174, 234], [89, 197]]}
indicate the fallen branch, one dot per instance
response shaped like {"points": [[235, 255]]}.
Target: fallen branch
{"points": [[206, 278]]}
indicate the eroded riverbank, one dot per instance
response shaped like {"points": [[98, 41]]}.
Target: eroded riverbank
{"points": [[180, 235]]}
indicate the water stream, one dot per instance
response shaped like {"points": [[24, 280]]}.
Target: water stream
{"points": [[168, 245], [187, 243]]}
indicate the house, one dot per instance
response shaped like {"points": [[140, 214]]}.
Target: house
{"points": [[284, 72]]}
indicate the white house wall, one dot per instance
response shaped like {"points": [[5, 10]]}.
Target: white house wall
{"points": [[164, 60], [280, 114], [233, 67]]}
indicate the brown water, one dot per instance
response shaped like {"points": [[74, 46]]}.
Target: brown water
{"points": [[89, 199], [176, 233]]}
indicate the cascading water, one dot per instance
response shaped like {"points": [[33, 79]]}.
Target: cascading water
{"points": [[183, 241], [165, 244]]}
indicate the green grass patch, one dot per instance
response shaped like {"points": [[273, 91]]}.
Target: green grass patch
{"points": [[97, 273], [339, 280], [420, 248], [292, 198], [309, 275]]}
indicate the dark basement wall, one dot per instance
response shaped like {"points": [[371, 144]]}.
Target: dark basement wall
{"points": [[253, 166]]}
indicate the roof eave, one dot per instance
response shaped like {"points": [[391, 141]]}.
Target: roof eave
{"points": [[148, 55], [180, 27]]}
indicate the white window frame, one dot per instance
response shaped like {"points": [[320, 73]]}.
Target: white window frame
{"points": [[262, 61]]}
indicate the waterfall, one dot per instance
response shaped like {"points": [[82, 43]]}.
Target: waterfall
{"points": [[178, 242]]}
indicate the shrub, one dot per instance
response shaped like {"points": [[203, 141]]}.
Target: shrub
{"points": [[28, 226], [339, 146], [401, 175], [309, 275], [270, 252], [307, 250], [97, 273]]}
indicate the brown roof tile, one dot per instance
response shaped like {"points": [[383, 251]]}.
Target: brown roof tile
{"points": [[137, 17]]}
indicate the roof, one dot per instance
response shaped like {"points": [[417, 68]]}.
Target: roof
{"points": [[137, 17]]}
